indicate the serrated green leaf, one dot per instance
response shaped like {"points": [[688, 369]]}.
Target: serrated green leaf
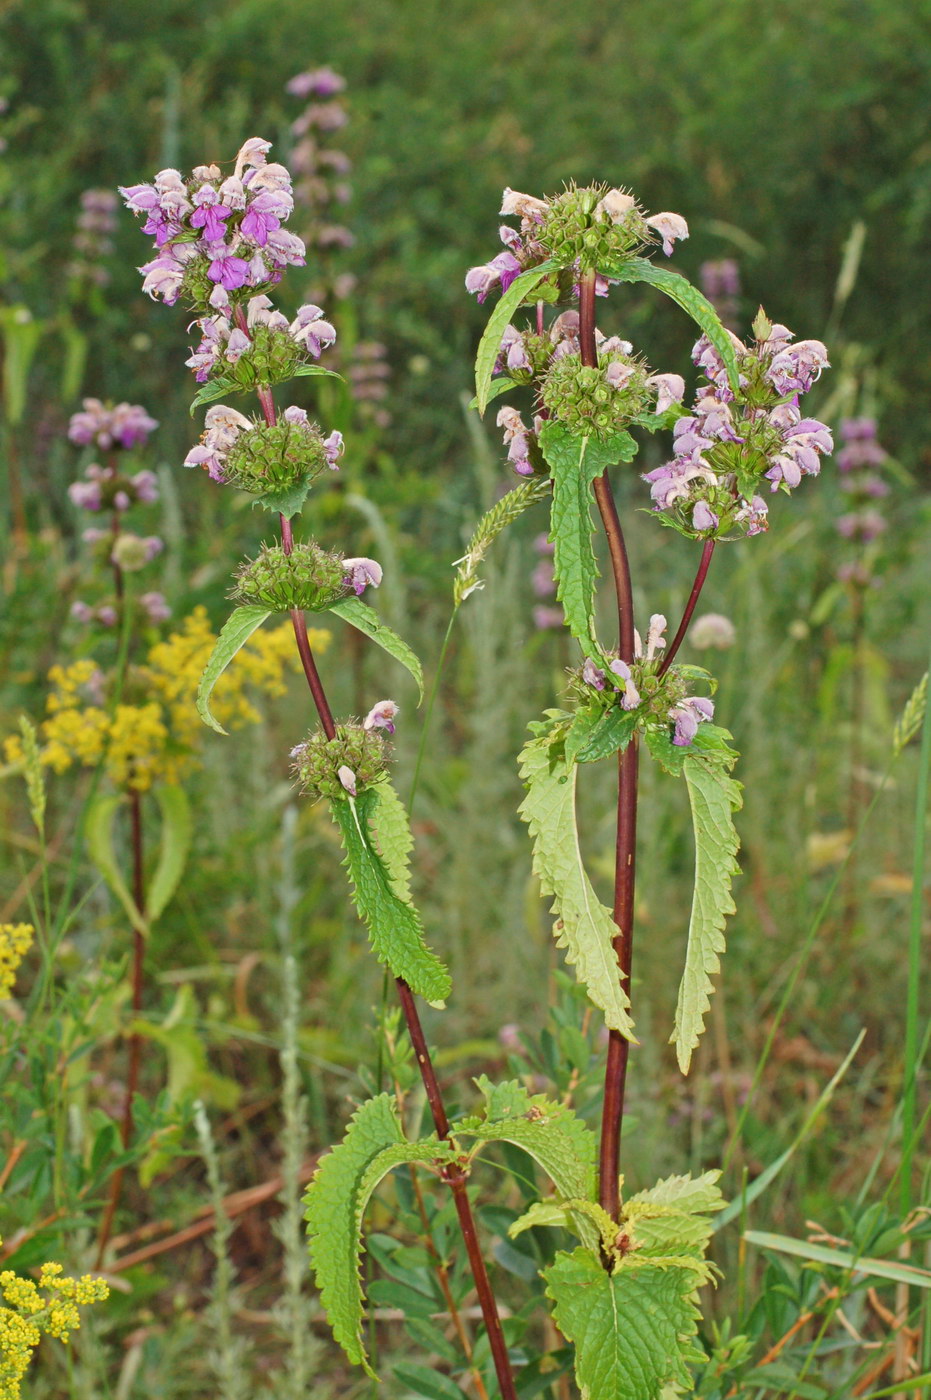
{"points": [[234, 634], [692, 1194], [177, 828], [681, 291], [502, 514], [395, 929], [585, 927], [215, 389], [611, 734], [365, 619], [714, 797], [580, 731], [391, 833], [632, 1329], [304, 371], [575, 463], [490, 343], [335, 1206], [553, 1135], [98, 840], [288, 500], [566, 1215], [498, 386]]}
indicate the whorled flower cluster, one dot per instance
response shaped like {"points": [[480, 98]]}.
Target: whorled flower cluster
{"points": [[590, 399], [320, 170], [660, 700], [579, 229], [104, 488], [859, 462], [92, 241], [305, 577], [263, 347], [260, 457], [123, 425], [218, 240], [734, 441]]}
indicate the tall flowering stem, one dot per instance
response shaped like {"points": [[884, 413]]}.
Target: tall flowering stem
{"points": [[625, 856], [704, 564], [454, 1175]]}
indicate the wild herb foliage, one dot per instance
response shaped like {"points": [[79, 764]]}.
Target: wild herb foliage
{"points": [[627, 1299]]}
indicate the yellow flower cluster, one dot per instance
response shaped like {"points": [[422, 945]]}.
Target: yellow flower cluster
{"points": [[159, 734], [15, 942], [49, 1306]]}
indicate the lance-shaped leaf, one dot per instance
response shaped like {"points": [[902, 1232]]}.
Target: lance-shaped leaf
{"points": [[98, 838], [391, 833], [585, 927], [366, 620], [681, 291], [173, 849], [575, 463], [502, 514], [215, 389], [379, 891], [632, 1328], [335, 1206], [714, 797], [236, 631], [490, 343]]}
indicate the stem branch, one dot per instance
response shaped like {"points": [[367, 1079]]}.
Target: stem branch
{"points": [[704, 564]]}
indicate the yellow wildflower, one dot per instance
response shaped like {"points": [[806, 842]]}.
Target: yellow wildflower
{"points": [[50, 1307], [156, 732], [15, 942]]}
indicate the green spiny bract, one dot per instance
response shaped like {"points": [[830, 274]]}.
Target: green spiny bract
{"points": [[592, 226], [273, 457], [273, 357], [318, 761], [657, 694], [585, 399], [309, 578]]}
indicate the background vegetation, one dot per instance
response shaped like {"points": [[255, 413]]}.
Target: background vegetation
{"points": [[794, 140]]}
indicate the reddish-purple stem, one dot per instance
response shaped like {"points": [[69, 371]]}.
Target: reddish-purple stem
{"points": [[612, 1115], [704, 565], [454, 1174]]}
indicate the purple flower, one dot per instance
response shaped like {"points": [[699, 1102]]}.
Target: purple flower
{"points": [[333, 450], [630, 698], [155, 607], [670, 389], [318, 82], [310, 330], [209, 214], [163, 278], [545, 618], [231, 272], [347, 778], [361, 574], [703, 517], [592, 674], [264, 215], [542, 579], [381, 716], [236, 346], [503, 268], [516, 439], [688, 715], [81, 612], [86, 495]]}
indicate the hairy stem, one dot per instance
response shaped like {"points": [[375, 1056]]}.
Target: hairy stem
{"points": [[454, 1174], [704, 564], [612, 1116], [135, 1040]]}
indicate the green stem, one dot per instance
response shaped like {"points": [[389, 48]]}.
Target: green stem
{"points": [[916, 912]]}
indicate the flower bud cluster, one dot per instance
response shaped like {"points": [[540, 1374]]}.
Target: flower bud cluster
{"points": [[659, 700], [104, 488], [308, 578], [127, 425], [579, 229], [598, 399], [733, 441], [218, 239], [268, 351], [353, 760], [261, 457], [127, 551], [92, 242], [859, 462]]}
